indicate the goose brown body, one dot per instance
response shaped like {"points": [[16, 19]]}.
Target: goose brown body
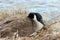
{"points": [[22, 23]]}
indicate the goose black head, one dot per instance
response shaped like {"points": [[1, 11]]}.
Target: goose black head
{"points": [[31, 15], [38, 17]]}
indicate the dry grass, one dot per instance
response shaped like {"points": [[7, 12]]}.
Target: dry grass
{"points": [[51, 33]]}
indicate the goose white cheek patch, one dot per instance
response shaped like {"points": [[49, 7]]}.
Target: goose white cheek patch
{"points": [[39, 25]]}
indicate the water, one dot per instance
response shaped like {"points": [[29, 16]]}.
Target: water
{"points": [[49, 9]]}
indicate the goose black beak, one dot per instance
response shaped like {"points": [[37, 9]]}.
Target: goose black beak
{"points": [[41, 21]]}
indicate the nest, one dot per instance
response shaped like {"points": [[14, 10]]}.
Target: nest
{"points": [[50, 33]]}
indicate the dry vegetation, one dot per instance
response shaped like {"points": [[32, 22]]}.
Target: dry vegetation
{"points": [[51, 33]]}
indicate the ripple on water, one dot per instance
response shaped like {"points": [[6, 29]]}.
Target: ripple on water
{"points": [[41, 6]]}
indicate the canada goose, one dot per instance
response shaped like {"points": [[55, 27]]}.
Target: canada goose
{"points": [[25, 25], [38, 20]]}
